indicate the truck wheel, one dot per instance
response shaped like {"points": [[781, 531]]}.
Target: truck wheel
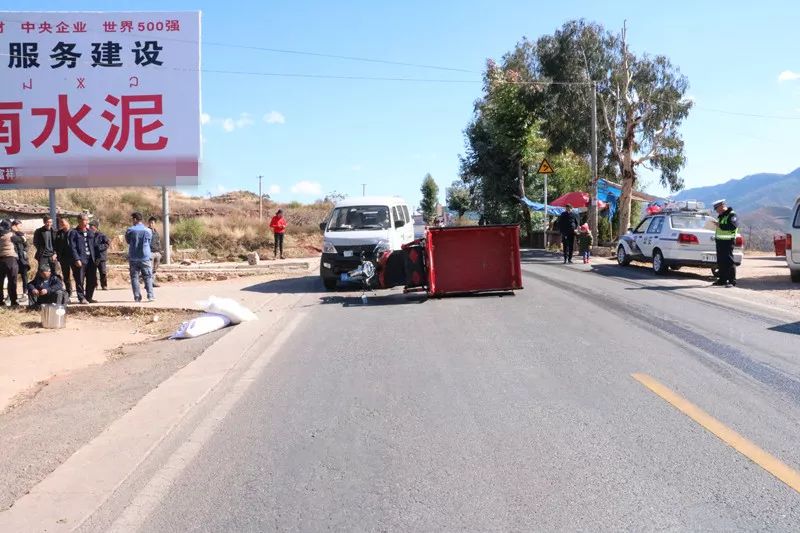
{"points": [[622, 256], [795, 274], [329, 283], [659, 266]]}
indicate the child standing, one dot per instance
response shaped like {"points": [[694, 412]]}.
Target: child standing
{"points": [[585, 242]]}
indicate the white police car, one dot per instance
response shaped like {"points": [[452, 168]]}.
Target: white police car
{"points": [[680, 235]]}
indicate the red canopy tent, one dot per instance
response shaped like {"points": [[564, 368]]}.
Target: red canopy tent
{"points": [[577, 199]]}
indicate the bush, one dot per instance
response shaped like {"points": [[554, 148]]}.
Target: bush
{"points": [[294, 205], [83, 200], [188, 233], [603, 230]]}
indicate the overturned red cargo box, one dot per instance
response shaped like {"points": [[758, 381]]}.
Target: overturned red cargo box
{"points": [[472, 259]]}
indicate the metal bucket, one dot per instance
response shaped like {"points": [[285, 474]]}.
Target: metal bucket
{"points": [[54, 316]]}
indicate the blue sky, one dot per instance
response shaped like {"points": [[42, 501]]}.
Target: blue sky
{"points": [[308, 137]]}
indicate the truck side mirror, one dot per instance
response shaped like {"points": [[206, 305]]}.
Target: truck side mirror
{"points": [[399, 223], [322, 226]]}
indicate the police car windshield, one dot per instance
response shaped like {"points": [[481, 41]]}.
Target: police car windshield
{"points": [[359, 217], [689, 221]]}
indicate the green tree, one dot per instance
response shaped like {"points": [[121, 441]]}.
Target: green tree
{"points": [[430, 194], [459, 198], [641, 102]]}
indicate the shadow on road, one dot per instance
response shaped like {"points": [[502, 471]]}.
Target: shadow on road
{"points": [[645, 272], [373, 301], [792, 328], [303, 284]]}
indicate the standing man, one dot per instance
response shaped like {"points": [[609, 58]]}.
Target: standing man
{"points": [[44, 240], [64, 253], [155, 247], [138, 238], [278, 225], [101, 245], [8, 264], [725, 238], [568, 224], [84, 270], [21, 247], [46, 288]]}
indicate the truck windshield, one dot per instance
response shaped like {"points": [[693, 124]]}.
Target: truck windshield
{"points": [[359, 217], [690, 221]]}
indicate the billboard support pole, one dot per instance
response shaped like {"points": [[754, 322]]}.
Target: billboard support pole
{"points": [[165, 214], [53, 209]]}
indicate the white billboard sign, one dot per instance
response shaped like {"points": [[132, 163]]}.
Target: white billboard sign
{"points": [[99, 98]]}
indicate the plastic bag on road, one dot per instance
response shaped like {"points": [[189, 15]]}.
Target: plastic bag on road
{"points": [[205, 323], [236, 312]]}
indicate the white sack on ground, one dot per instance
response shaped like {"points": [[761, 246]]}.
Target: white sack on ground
{"points": [[205, 323], [232, 309]]}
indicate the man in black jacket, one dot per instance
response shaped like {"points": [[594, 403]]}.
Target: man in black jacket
{"points": [[101, 245], [46, 288], [64, 253], [81, 243], [568, 224], [44, 240], [21, 247]]}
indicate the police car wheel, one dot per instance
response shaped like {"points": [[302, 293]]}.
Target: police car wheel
{"points": [[622, 257], [659, 266]]}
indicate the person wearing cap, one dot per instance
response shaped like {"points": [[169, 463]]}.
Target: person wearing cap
{"points": [[585, 242], [21, 247], [568, 224], [101, 246], [725, 238], [9, 268], [46, 287]]}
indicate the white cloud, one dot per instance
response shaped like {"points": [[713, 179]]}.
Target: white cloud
{"points": [[228, 125], [307, 187], [221, 189], [205, 118], [788, 75], [244, 120], [274, 117], [274, 189], [356, 168]]}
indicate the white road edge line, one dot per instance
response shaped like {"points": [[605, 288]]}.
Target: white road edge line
{"points": [[147, 500]]}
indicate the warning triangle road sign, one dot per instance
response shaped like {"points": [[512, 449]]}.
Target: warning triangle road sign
{"points": [[545, 168]]}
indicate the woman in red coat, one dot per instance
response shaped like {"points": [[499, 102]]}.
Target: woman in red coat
{"points": [[278, 225]]}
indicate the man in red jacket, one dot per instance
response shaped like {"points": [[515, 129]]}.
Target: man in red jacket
{"points": [[278, 225]]}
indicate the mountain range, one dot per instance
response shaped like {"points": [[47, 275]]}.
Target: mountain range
{"points": [[750, 193], [763, 201]]}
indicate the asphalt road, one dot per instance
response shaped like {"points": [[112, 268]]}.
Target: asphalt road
{"points": [[511, 413]]}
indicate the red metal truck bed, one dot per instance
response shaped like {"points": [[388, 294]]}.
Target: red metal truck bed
{"points": [[471, 259]]}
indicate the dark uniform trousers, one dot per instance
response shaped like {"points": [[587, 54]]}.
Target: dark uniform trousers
{"points": [[102, 271], [727, 268]]}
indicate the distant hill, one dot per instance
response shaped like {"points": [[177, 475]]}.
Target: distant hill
{"points": [[763, 202], [750, 193]]}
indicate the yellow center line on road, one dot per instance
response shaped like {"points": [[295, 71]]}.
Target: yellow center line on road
{"points": [[764, 459]]}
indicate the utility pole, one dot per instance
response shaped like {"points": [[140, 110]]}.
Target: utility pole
{"points": [[363, 189], [546, 218], [165, 213], [260, 201], [593, 199]]}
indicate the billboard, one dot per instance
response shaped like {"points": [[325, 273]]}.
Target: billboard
{"points": [[91, 99]]}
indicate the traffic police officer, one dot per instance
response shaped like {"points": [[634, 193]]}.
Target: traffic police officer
{"points": [[725, 237]]}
